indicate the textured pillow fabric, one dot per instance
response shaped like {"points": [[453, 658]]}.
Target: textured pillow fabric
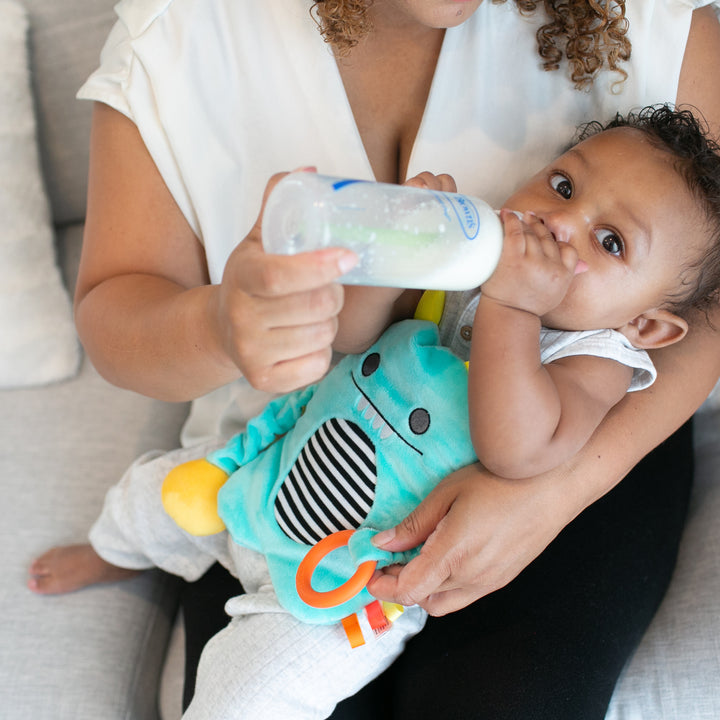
{"points": [[38, 343]]}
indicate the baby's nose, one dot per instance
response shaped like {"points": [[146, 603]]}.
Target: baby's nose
{"points": [[551, 228], [562, 226]]}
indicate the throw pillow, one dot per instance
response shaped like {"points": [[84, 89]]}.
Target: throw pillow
{"points": [[38, 344]]}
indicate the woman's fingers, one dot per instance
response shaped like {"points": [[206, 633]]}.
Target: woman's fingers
{"points": [[479, 532], [288, 375], [277, 315]]}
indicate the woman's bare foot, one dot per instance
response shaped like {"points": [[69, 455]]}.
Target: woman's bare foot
{"points": [[64, 569]]}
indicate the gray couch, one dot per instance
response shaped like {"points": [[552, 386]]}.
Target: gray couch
{"points": [[98, 654]]}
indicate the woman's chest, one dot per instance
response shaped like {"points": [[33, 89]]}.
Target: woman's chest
{"points": [[387, 87]]}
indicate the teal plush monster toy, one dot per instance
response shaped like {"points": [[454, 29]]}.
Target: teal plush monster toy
{"points": [[355, 452]]}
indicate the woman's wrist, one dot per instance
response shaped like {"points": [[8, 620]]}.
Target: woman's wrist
{"points": [[209, 335]]}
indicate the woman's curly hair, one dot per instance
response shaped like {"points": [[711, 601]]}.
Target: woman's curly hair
{"points": [[589, 34], [343, 23]]}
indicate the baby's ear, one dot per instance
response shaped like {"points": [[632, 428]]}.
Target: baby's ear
{"points": [[655, 329]]}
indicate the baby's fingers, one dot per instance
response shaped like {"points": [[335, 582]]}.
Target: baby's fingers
{"points": [[539, 237], [553, 248], [514, 243], [569, 258], [430, 181]]}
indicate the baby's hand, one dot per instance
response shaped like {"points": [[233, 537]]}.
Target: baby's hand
{"points": [[535, 271]]}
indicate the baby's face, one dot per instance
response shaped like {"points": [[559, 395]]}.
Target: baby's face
{"points": [[618, 200]]}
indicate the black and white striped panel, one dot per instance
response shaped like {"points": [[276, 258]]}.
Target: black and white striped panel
{"points": [[331, 485]]}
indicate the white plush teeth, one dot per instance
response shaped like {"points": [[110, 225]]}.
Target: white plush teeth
{"points": [[370, 413]]}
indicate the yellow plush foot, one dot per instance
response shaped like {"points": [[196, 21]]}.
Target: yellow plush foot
{"points": [[189, 496]]}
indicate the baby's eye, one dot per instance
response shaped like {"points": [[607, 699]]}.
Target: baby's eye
{"points": [[561, 185], [610, 241]]}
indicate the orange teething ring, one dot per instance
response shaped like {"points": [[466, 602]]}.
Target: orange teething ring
{"points": [[330, 598]]}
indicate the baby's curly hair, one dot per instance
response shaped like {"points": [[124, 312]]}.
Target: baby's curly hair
{"points": [[696, 158], [589, 34]]}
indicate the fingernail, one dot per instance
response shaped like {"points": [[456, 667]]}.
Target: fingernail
{"points": [[383, 538], [581, 267], [347, 261]]}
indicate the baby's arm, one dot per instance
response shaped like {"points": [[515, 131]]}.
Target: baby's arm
{"points": [[525, 417]]}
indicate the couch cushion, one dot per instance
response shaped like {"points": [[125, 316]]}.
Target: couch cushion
{"points": [[95, 654], [39, 344], [65, 42]]}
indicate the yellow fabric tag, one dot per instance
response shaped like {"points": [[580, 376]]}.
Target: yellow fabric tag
{"points": [[392, 611]]}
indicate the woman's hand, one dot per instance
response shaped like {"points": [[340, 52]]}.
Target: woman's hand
{"points": [[479, 531], [147, 313], [276, 315]]}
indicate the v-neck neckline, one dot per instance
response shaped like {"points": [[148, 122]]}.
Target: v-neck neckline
{"points": [[339, 91]]}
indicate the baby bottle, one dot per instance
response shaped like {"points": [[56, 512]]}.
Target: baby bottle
{"points": [[404, 236]]}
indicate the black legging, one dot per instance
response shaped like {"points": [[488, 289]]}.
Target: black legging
{"points": [[550, 645]]}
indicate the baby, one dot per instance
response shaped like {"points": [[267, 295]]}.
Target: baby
{"points": [[619, 246], [617, 253]]}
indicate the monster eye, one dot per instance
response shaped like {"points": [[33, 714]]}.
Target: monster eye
{"points": [[370, 364], [419, 420]]}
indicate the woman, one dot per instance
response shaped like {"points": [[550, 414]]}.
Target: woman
{"points": [[202, 100]]}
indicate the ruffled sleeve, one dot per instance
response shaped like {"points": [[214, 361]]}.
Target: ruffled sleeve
{"points": [[557, 344], [695, 4], [123, 82], [108, 83]]}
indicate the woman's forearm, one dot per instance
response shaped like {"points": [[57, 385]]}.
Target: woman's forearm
{"points": [[149, 335], [271, 320], [687, 372]]}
